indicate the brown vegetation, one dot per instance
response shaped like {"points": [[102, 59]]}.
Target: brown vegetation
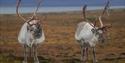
{"points": [[60, 45]]}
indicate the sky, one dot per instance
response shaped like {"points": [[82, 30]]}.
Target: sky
{"points": [[63, 2]]}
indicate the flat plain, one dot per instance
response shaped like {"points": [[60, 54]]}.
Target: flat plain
{"points": [[60, 45]]}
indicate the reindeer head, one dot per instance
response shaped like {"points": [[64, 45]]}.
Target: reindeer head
{"points": [[33, 23], [100, 32], [34, 27]]}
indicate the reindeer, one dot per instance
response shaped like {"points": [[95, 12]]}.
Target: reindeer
{"points": [[31, 34], [88, 34]]}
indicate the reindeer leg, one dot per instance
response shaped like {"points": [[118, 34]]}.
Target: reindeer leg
{"points": [[25, 54], [87, 53], [81, 53], [30, 51], [35, 54], [94, 55]]}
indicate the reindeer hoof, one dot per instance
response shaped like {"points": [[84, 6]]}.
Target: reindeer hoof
{"points": [[96, 61], [36, 62], [24, 62]]}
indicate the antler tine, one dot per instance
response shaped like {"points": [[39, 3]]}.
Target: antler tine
{"points": [[17, 6], [84, 11], [34, 14], [105, 9], [100, 20], [108, 7]]}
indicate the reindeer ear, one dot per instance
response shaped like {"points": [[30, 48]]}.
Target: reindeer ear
{"points": [[108, 26], [28, 24], [105, 28]]}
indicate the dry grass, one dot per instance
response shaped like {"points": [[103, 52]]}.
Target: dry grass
{"points": [[60, 45]]}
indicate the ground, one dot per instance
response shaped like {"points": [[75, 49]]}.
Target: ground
{"points": [[60, 45]]}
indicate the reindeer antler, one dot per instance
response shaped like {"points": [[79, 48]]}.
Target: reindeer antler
{"points": [[37, 7], [34, 12], [84, 11], [105, 10], [18, 14]]}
